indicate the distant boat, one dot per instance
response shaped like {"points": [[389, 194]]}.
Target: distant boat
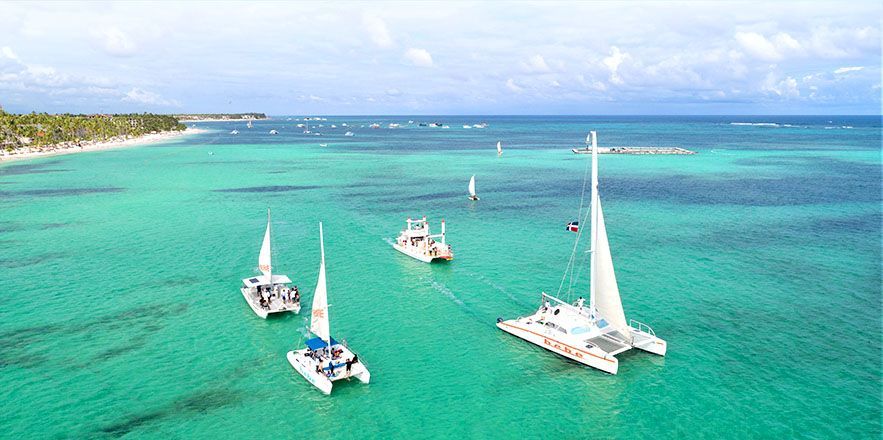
{"points": [[211, 153], [594, 333], [467, 126], [274, 132], [333, 126], [394, 125], [422, 124], [249, 125], [477, 126], [234, 132], [499, 148], [375, 125], [349, 133], [445, 126], [288, 119], [343, 125], [269, 293], [311, 361], [410, 122], [323, 145], [472, 195]]}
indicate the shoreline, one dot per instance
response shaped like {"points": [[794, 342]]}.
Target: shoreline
{"points": [[188, 121], [110, 144]]}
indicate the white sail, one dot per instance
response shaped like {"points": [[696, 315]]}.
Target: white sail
{"points": [[604, 292], [265, 263], [499, 147], [607, 300], [319, 325], [472, 186]]}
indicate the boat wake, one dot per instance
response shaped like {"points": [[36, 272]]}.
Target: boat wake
{"points": [[447, 292]]}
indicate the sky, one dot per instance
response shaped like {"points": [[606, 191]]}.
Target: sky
{"points": [[413, 58]]}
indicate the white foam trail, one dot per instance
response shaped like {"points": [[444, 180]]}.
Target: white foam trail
{"points": [[441, 288]]}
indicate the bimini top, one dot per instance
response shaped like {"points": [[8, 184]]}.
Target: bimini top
{"points": [[317, 343], [263, 280]]}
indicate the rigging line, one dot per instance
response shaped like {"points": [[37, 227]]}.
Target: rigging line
{"points": [[579, 232]]}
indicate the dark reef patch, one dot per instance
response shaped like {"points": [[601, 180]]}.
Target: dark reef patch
{"points": [[48, 192], [28, 168], [195, 404]]}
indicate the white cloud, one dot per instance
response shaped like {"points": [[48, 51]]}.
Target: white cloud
{"points": [[510, 84], [786, 88], [116, 42], [536, 64], [141, 96], [848, 69], [419, 57], [393, 92], [613, 62], [554, 83], [758, 46], [377, 30]]}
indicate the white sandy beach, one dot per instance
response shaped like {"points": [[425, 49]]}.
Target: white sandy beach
{"points": [[113, 143]]}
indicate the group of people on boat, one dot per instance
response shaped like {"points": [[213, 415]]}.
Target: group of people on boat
{"points": [[289, 295], [320, 356]]}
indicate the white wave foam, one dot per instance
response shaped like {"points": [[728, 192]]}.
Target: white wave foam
{"points": [[757, 124]]}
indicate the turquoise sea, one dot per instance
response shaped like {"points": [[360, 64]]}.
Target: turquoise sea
{"points": [[758, 260]]}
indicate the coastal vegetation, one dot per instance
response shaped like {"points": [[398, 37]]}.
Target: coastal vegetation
{"points": [[37, 130], [221, 116]]}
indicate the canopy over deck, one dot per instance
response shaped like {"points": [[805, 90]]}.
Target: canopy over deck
{"points": [[264, 280], [317, 343]]}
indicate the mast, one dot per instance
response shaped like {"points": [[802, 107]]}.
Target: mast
{"points": [[592, 137], [269, 241], [327, 317]]}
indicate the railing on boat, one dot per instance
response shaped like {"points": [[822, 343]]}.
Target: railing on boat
{"points": [[641, 327]]}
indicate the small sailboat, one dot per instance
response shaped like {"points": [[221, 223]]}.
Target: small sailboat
{"points": [[274, 132], [594, 333], [417, 242], [268, 293], [349, 133], [324, 360], [467, 126], [234, 132], [499, 148], [472, 195], [249, 125]]}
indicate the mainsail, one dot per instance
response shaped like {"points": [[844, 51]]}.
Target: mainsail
{"points": [[265, 258], [499, 147], [604, 292], [472, 186], [320, 325]]}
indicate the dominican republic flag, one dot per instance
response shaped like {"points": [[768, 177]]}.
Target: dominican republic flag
{"points": [[573, 226]]}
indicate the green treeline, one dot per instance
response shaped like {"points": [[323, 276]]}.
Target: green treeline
{"points": [[42, 129]]}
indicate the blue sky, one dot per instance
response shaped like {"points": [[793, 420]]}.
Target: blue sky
{"points": [[443, 58]]}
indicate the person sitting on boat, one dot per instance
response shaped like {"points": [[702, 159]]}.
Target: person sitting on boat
{"points": [[580, 302]]}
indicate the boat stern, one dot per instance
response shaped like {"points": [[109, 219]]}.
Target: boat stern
{"points": [[299, 361]]}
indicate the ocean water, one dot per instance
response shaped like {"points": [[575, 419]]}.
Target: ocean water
{"points": [[758, 260]]}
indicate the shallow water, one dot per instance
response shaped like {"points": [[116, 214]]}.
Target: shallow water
{"points": [[758, 260]]}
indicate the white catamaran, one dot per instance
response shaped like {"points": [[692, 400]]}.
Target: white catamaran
{"points": [[417, 242], [324, 360], [472, 195], [594, 333], [268, 293]]}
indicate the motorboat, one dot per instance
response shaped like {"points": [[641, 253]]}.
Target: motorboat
{"points": [[416, 242]]}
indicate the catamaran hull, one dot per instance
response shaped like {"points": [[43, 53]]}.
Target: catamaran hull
{"points": [[320, 381], [649, 343], [262, 312], [417, 255], [598, 359]]}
